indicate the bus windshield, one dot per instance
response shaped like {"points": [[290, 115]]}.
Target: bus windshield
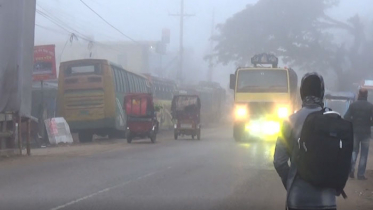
{"points": [[261, 81]]}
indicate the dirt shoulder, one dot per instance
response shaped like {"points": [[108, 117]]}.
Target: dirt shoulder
{"points": [[360, 193], [99, 145]]}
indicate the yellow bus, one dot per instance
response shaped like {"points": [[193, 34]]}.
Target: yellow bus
{"points": [[263, 97], [91, 93]]}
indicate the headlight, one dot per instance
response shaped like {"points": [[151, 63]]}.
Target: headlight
{"points": [[258, 128], [241, 112], [271, 128], [283, 112]]}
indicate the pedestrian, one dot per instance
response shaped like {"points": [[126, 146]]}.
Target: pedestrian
{"points": [[360, 113], [300, 193]]}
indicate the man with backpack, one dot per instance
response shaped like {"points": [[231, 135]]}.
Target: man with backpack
{"points": [[360, 113], [314, 140]]}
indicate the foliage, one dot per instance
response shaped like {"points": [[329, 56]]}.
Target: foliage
{"points": [[300, 32]]}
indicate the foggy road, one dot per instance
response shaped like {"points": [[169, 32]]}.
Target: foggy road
{"points": [[214, 173]]}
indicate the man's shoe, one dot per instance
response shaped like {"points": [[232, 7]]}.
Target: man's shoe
{"points": [[352, 175], [362, 178]]}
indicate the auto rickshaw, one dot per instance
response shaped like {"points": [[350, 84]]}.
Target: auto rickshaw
{"points": [[141, 118], [339, 101], [186, 115]]}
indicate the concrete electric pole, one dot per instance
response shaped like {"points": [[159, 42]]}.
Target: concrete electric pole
{"points": [[182, 15], [211, 65]]}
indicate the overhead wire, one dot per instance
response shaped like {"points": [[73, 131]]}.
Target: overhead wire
{"points": [[77, 35], [73, 32], [108, 22]]}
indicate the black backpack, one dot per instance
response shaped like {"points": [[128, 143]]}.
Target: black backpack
{"points": [[324, 150]]}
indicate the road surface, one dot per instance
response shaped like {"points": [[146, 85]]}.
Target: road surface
{"points": [[214, 173]]}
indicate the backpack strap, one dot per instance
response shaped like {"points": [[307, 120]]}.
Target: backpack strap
{"points": [[344, 195], [326, 109]]}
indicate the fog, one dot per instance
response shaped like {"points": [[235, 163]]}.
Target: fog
{"points": [[143, 20]]}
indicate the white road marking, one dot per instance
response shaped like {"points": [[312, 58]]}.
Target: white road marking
{"points": [[100, 192]]}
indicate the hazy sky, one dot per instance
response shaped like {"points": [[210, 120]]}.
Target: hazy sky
{"points": [[139, 19], [144, 19]]}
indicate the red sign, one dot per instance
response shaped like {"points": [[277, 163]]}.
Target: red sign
{"points": [[44, 63]]}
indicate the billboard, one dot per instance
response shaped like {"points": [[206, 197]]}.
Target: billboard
{"points": [[17, 23], [44, 63]]}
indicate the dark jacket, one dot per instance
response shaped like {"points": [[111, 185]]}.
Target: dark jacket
{"points": [[360, 113], [300, 194]]}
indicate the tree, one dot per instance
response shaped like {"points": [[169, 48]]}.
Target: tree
{"points": [[299, 31]]}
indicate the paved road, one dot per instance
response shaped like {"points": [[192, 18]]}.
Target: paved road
{"points": [[214, 173]]}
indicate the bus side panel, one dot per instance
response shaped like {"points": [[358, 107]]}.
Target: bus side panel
{"points": [[120, 115], [110, 103]]}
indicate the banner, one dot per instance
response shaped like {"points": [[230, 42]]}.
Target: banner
{"points": [[58, 131], [44, 63]]}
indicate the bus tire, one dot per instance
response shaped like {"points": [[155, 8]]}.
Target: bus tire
{"points": [[237, 133], [85, 136], [129, 137], [153, 138]]}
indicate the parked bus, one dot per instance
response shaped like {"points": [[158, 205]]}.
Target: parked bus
{"points": [[263, 97], [91, 93], [163, 92]]}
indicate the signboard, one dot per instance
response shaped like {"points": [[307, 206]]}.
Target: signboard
{"points": [[58, 131], [368, 83], [44, 63], [265, 58]]}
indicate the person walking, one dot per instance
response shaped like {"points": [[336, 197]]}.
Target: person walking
{"points": [[360, 113], [300, 193]]}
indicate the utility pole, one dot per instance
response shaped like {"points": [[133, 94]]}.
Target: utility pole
{"points": [[182, 15], [211, 65]]}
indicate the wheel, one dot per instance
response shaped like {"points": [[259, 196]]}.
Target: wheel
{"points": [[238, 132], [199, 134], [129, 137], [153, 138], [85, 136], [175, 136]]}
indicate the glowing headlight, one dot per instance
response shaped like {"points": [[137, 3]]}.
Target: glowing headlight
{"points": [[271, 128], [283, 112], [241, 112]]}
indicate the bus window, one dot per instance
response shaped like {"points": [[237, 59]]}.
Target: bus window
{"points": [[143, 85], [136, 82], [125, 82], [120, 83], [131, 83], [139, 81], [115, 78]]}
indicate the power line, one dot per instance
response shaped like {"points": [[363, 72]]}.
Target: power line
{"points": [[65, 16], [108, 22], [60, 23], [51, 29]]}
